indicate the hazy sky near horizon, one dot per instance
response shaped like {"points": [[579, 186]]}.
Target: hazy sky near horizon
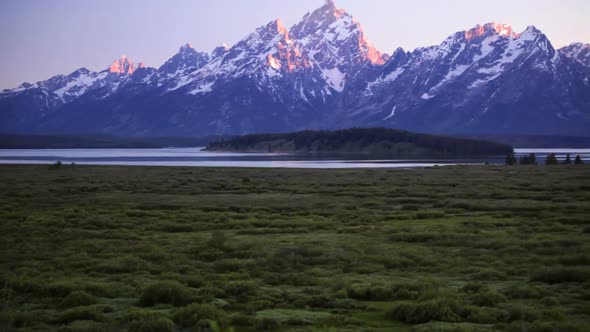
{"points": [[40, 39]]}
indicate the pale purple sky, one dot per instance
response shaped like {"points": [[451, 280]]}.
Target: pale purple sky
{"points": [[42, 38]]}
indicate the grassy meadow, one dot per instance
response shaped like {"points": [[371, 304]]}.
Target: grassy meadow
{"points": [[492, 248]]}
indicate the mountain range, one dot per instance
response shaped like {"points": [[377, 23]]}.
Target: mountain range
{"points": [[322, 73]]}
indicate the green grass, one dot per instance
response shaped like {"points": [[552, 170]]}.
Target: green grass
{"points": [[176, 249]]}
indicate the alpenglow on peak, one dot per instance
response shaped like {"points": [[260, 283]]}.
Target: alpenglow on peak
{"points": [[490, 28], [124, 66], [336, 27]]}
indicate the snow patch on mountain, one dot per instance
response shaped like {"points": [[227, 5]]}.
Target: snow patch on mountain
{"points": [[427, 96], [392, 114], [335, 78], [77, 86], [205, 88]]}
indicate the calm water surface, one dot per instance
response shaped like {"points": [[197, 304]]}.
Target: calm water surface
{"points": [[195, 157]]}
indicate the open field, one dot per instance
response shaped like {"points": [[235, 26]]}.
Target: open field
{"points": [[176, 249]]}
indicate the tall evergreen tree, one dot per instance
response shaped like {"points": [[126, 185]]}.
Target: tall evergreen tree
{"points": [[532, 159], [511, 159], [551, 159], [568, 160], [579, 160]]}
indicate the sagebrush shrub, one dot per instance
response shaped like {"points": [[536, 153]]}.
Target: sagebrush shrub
{"points": [[166, 292]]}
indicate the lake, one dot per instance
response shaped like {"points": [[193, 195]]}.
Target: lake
{"points": [[195, 157]]}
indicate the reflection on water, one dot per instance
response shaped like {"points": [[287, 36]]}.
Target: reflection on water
{"points": [[195, 157]]}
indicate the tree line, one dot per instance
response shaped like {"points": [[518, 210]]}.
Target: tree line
{"points": [[364, 138], [551, 159]]}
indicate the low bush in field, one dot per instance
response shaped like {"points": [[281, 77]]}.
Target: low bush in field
{"points": [[79, 298], [542, 326], [228, 265], [139, 314], [152, 324], [444, 310], [194, 281], [166, 292], [370, 292], [199, 315], [94, 313], [17, 319], [240, 289], [482, 315], [63, 288], [266, 324], [487, 298], [524, 292], [489, 274], [516, 312], [25, 284], [451, 327], [124, 264], [293, 317], [558, 275]]}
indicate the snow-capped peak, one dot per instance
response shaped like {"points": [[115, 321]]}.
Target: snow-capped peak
{"points": [[186, 60], [80, 72], [186, 47], [493, 28], [124, 66], [531, 33], [219, 51], [319, 19], [330, 34], [273, 29]]}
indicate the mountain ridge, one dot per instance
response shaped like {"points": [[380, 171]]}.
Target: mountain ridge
{"points": [[322, 73]]}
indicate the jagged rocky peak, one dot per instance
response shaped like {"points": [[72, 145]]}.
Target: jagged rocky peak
{"points": [[186, 48], [124, 66], [188, 53], [531, 33], [493, 28], [80, 72], [577, 51], [321, 18], [331, 25], [219, 51], [490, 37], [398, 58], [279, 26], [537, 41], [576, 48], [283, 53], [486, 30], [273, 29], [185, 60]]}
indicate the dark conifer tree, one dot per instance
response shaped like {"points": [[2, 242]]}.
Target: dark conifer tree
{"points": [[532, 159], [579, 160], [568, 160], [511, 159], [551, 159]]}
